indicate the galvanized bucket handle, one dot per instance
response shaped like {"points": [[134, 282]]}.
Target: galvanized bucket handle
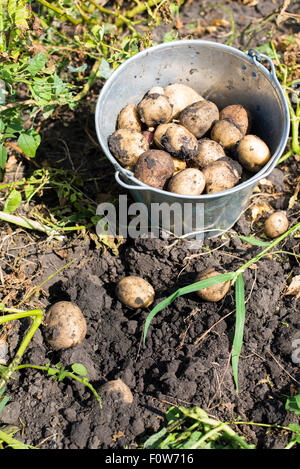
{"points": [[128, 186], [257, 58]]}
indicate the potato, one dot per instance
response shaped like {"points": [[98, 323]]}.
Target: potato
{"points": [[64, 326], [208, 152], [221, 175], [189, 181], [119, 388], [276, 224], [239, 115], [128, 118], [252, 153], [160, 131], [199, 117], [154, 109], [156, 90], [226, 133], [178, 165], [154, 167], [179, 142], [127, 145], [215, 292], [135, 292], [181, 96]]}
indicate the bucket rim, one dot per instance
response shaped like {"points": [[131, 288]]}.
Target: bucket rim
{"points": [[139, 185]]}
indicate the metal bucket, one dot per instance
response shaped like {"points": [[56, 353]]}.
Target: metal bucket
{"points": [[219, 73]]}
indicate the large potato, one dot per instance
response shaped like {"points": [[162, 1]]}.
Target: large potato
{"points": [[199, 117], [208, 152], [64, 325], [239, 115], [252, 153], [181, 96], [135, 292], [221, 175], [189, 181], [154, 109], [154, 167], [179, 142], [226, 133], [127, 145], [128, 118]]}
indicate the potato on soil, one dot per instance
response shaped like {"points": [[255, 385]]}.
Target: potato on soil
{"points": [[128, 118], [276, 224], [127, 145], [221, 175], [239, 115], [119, 388], [214, 292], [226, 133], [154, 167], [199, 117], [252, 153], [181, 96], [135, 292], [208, 152], [154, 109], [179, 142], [65, 325], [189, 181]]}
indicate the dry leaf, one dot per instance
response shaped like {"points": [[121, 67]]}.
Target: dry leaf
{"points": [[220, 22], [250, 3], [259, 209], [294, 197], [294, 287]]}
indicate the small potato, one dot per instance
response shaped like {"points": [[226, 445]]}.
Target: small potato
{"points": [[154, 109], [239, 115], [215, 292], [276, 224], [135, 292], [221, 175], [189, 181], [128, 118], [127, 145], [179, 142], [199, 117], [65, 325], [208, 152], [181, 96], [156, 90], [226, 133], [119, 389], [252, 153], [154, 167]]}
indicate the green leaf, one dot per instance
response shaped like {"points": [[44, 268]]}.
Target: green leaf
{"points": [[37, 63], [293, 404], [3, 156], [104, 70], [170, 36], [183, 291], [4, 402], [239, 326], [254, 241], [13, 201], [29, 144], [79, 369]]}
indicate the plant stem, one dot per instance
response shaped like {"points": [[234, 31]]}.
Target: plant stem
{"points": [[12, 442], [37, 316]]}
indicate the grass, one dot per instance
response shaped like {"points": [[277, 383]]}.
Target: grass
{"points": [[236, 279]]}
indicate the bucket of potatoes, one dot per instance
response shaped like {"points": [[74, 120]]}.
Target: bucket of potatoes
{"points": [[203, 130]]}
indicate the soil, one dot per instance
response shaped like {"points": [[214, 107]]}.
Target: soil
{"points": [[186, 359]]}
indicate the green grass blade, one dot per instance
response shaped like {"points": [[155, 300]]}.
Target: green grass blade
{"points": [[184, 291], [239, 326], [254, 241]]}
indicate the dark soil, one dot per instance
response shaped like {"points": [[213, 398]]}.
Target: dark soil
{"points": [[186, 359]]}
